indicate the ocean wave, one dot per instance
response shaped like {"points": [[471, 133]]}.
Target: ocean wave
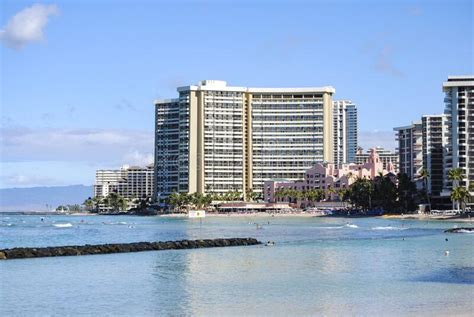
{"points": [[388, 228], [349, 225], [466, 231], [62, 225], [332, 227]]}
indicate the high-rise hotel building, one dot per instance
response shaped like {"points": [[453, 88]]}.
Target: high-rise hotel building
{"points": [[216, 138], [434, 147], [345, 131], [410, 149], [459, 111]]}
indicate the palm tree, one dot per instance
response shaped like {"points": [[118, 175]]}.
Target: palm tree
{"points": [[89, 204], [342, 193], [177, 200], [424, 175], [311, 196], [251, 195], [97, 201], [116, 202], [455, 175], [330, 191], [460, 195], [361, 193]]}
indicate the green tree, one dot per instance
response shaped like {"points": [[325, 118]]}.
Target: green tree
{"points": [[198, 200], [385, 193], [424, 175], [97, 202], [61, 208], [406, 192], [116, 202], [456, 176], [251, 195], [74, 208], [330, 191], [460, 195], [361, 193], [88, 204], [178, 200]]}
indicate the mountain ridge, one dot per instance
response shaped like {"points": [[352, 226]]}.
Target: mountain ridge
{"points": [[42, 198]]}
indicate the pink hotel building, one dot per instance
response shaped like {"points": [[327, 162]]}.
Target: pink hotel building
{"points": [[325, 176]]}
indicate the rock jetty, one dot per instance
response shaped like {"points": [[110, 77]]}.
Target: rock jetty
{"points": [[460, 230], [22, 253]]}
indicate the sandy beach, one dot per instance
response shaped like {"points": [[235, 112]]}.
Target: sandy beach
{"points": [[315, 214], [428, 217], [250, 214]]}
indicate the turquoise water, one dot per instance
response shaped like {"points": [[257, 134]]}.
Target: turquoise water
{"points": [[318, 266]]}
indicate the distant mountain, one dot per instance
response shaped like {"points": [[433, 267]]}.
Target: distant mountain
{"points": [[36, 198]]}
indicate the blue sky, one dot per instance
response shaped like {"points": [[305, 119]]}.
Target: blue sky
{"points": [[77, 92]]}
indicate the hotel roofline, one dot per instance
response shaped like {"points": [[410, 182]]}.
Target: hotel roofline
{"points": [[455, 81], [218, 85]]}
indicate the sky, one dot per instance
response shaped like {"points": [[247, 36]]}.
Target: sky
{"points": [[78, 78]]}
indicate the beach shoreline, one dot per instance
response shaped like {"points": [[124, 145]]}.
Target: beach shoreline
{"points": [[299, 214], [425, 217]]}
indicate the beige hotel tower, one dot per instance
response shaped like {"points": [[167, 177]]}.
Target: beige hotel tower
{"points": [[216, 138]]}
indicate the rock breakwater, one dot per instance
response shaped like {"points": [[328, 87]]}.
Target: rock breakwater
{"points": [[22, 253], [461, 230]]}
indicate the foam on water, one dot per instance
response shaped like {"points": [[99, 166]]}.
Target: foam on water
{"points": [[466, 231], [62, 225], [388, 228], [349, 225]]}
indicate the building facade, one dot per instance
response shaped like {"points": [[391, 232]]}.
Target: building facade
{"points": [[410, 149], [434, 146], [345, 131], [326, 176], [459, 111], [128, 181], [386, 156], [216, 138]]}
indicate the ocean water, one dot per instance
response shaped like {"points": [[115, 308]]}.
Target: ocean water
{"points": [[318, 266]]}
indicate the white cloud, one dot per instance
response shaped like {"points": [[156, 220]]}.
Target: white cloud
{"points": [[138, 158], [27, 25], [109, 148]]}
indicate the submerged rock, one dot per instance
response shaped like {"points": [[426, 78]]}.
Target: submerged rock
{"points": [[460, 230], [22, 253]]}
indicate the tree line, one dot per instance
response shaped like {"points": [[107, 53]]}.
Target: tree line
{"points": [[387, 192]]}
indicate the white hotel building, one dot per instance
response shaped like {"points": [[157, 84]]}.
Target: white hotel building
{"points": [[459, 111], [345, 132], [128, 181], [217, 138]]}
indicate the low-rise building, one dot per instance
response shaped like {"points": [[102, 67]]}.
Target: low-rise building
{"points": [[386, 156], [328, 176]]}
